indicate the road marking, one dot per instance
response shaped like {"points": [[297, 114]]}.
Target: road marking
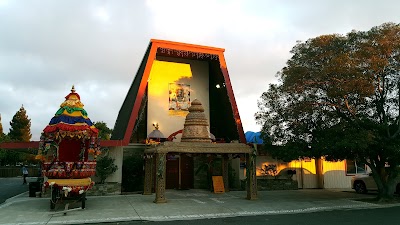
{"points": [[198, 201], [190, 194], [216, 200]]}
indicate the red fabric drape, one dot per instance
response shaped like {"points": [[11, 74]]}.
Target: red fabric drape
{"points": [[69, 150]]}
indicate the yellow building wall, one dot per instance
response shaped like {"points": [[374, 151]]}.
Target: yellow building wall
{"points": [[306, 173], [305, 170], [333, 173], [165, 71]]}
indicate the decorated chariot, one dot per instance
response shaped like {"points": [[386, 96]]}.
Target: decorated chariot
{"points": [[68, 149]]}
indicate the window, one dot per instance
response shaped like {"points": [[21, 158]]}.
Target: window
{"points": [[353, 167]]}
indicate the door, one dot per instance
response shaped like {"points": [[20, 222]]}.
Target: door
{"points": [[180, 171], [172, 169], [187, 172]]}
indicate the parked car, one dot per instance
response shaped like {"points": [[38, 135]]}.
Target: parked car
{"points": [[363, 183]]}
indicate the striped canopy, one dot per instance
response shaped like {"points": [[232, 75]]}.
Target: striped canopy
{"points": [[71, 120]]}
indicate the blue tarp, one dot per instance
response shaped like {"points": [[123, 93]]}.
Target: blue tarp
{"points": [[253, 137]]}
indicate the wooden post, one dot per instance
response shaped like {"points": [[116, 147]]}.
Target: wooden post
{"points": [[180, 171], [148, 174], [160, 178], [251, 177], [225, 173], [319, 172]]}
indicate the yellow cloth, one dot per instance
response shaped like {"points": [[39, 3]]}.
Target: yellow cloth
{"points": [[74, 114], [71, 182]]}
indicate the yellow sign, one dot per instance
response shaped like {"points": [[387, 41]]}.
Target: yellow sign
{"points": [[218, 184]]}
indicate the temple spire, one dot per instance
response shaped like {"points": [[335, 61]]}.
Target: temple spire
{"points": [[196, 126]]}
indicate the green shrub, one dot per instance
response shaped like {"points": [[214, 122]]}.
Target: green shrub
{"points": [[105, 167]]}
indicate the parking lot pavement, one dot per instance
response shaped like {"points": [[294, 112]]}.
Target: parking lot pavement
{"points": [[12, 186], [181, 205]]}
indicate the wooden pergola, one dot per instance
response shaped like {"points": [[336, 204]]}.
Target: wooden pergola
{"points": [[156, 154]]}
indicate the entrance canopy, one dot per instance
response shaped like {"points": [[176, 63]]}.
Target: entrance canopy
{"points": [[200, 147]]}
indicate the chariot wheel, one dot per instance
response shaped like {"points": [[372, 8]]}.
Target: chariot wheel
{"points": [[53, 198], [83, 199]]}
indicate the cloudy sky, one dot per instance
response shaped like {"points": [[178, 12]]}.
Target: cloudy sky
{"points": [[47, 46]]}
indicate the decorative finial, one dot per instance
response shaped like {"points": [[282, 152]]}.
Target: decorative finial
{"points": [[73, 89], [155, 125]]}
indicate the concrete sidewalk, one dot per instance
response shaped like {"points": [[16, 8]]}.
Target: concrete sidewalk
{"points": [[181, 205]]}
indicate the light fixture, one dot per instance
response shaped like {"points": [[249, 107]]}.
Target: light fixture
{"points": [[217, 86], [155, 125], [156, 134]]}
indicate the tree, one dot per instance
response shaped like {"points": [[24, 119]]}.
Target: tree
{"points": [[1, 128], [7, 157], [338, 97], [269, 170], [20, 126], [104, 131]]}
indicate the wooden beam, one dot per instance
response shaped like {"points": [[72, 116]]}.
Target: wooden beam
{"points": [[231, 96], [139, 96], [187, 47], [16, 145]]}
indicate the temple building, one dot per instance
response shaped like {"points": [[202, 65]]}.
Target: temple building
{"points": [[181, 86]]}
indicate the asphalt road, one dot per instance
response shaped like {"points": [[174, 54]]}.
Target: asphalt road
{"points": [[10, 187], [343, 217]]}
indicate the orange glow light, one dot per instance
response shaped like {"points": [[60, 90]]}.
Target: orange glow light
{"points": [[162, 73]]}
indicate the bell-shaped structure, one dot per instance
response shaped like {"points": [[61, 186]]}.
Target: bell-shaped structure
{"points": [[71, 120], [196, 126]]}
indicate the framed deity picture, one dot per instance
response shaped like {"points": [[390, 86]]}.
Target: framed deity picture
{"points": [[179, 97]]}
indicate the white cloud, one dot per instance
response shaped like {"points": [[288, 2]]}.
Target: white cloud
{"points": [[203, 21], [46, 46], [102, 14], [4, 3]]}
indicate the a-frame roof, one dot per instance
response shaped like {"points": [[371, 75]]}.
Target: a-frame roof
{"points": [[129, 112]]}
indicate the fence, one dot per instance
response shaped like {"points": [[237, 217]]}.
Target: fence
{"points": [[11, 171]]}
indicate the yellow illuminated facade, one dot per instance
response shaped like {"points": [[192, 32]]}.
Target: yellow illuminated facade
{"points": [[333, 174], [166, 76], [163, 72]]}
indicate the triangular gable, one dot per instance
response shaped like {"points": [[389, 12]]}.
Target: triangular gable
{"points": [[129, 112]]}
